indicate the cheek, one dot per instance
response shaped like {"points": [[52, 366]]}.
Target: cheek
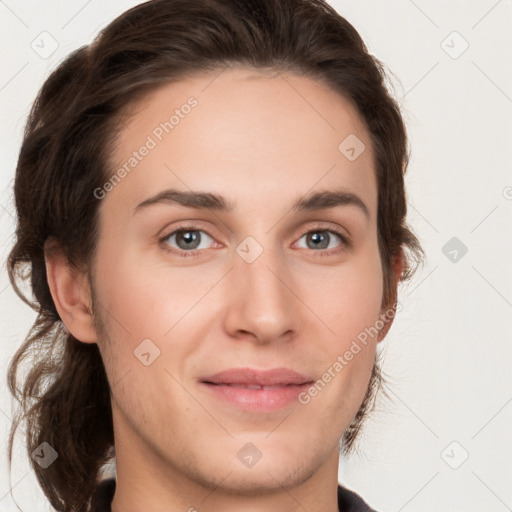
{"points": [[349, 306], [350, 297], [145, 296]]}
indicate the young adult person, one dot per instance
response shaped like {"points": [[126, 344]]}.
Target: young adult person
{"points": [[211, 206]]}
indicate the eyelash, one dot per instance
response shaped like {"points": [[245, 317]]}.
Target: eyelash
{"points": [[196, 252]]}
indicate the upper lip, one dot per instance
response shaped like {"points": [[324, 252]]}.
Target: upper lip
{"points": [[251, 376]]}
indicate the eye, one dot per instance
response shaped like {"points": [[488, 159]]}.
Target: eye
{"points": [[322, 239], [186, 240], [189, 241]]}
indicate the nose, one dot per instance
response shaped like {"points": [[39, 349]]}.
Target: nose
{"points": [[261, 303]]}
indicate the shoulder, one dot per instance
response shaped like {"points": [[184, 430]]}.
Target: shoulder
{"points": [[349, 501]]}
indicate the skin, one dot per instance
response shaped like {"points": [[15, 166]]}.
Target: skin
{"points": [[262, 140]]}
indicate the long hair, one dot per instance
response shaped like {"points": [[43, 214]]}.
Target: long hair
{"points": [[64, 396]]}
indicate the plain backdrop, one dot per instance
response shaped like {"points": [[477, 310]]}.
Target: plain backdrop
{"points": [[442, 442]]}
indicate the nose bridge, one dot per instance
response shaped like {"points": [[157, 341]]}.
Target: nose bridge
{"points": [[260, 301]]}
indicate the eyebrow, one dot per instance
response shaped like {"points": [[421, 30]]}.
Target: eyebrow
{"points": [[207, 200]]}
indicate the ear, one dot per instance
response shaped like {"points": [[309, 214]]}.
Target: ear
{"points": [[70, 292], [388, 313]]}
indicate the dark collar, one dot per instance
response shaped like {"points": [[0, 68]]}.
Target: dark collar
{"points": [[348, 501]]}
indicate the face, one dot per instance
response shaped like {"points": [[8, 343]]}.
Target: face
{"points": [[264, 274]]}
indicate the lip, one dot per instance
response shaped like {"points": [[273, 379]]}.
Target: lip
{"points": [[255, 390]]}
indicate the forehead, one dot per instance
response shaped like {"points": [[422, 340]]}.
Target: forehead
{"points": [[258, 135]]}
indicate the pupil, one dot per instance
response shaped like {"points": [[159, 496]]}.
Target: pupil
{"points": [[320, 240], [189, 236]]}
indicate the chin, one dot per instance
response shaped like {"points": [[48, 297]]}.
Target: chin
{"points": [[270, 478]]}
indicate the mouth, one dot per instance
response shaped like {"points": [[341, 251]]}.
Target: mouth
{"points": [[249, 386], [257, 390]]}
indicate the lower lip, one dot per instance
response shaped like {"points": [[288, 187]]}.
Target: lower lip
{"points": [[257, 400]]}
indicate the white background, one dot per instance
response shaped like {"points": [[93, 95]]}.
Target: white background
{"points": [[448, 354]]}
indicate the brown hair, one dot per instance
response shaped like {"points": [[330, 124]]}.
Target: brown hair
{"points": [[64, 396]]}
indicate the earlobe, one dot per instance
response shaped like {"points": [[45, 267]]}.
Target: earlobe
{"points": [[70, 292], [388, 314]]}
